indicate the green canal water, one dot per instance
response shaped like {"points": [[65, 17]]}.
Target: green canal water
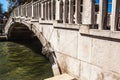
{"points": [[22, 61]]}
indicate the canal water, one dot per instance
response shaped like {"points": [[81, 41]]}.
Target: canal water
{"points": [[22, 60]]}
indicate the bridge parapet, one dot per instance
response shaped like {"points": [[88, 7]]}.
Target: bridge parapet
{"points": [[77, 12]]}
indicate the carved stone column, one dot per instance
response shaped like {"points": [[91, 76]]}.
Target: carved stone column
{"points": [[115, 14], [102, 13], [42, 10], [71, 12], [65, 11], [88, 11], [77, 11]]}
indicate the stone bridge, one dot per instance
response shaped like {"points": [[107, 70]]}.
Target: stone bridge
{"points": [[81, 38]]}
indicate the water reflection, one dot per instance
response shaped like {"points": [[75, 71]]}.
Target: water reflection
{"points": [[23, 62]]}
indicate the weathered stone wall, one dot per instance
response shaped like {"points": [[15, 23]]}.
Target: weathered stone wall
{"points": [[83, 56]]}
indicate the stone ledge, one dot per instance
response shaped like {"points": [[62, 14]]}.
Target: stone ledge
{"points": [[50, 22], [66, 26], [101, 33]]}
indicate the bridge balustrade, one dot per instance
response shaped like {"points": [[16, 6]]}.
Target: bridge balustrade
{"points": [[108, 20], [84, 12]]}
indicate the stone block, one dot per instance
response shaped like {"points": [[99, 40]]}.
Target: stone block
{"points": [[84, 48], [68, 42], [73, 66], [85, 71]]}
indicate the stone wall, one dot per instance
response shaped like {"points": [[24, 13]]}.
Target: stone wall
{"points": [[84, 56]]}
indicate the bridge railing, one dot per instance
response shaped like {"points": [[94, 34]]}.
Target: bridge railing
{"points": [[83, 12], [108, 17]]}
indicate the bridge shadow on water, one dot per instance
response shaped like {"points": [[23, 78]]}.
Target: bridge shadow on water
{"points": [[25, 61]]}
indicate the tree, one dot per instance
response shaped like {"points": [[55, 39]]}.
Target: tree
{"points": [[1, 10], [15, 3]]}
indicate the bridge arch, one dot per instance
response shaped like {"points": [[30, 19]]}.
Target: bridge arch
{"points": [[27, 30], [19, 31]]}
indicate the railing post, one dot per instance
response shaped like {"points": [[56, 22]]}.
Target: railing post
{"points": [[71, 13], [115, 14], [32, 10], [48, 10], [45, 11], [77, 11], [18, 10], [88, 11], [57, 10], [35, 10], [26, 10], [38, 9], [53, 9], [65, 11], [102, 13], [42, 10]]}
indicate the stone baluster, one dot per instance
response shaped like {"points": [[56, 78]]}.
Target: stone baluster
{"points": [[77, 11], [58, 10], [38, 9], [18, 11], [45, 11], [53, 8], [102, 13], [115, 14], [88, 11], [29, 10], [42, 12], [49, 10], [64, 11], [26, 11], [21, 10], [32, 10], [71, 11]]}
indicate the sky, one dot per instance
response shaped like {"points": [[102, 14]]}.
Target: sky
{"points": [[109, 5], [5, 4]]}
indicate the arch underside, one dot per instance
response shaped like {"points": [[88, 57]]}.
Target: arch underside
{"points": [[23, 30], [20, 31]]}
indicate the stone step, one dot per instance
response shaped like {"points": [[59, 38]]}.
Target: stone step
{"points": [[61, 77]]}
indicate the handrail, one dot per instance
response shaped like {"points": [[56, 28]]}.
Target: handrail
{"points": [[72, 12]]}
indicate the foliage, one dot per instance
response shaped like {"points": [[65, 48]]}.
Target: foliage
{"points": [[15, 3], [21, 60], [1, 10]]}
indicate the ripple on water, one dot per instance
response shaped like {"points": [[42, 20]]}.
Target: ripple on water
{"points": [[18, 61]]}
